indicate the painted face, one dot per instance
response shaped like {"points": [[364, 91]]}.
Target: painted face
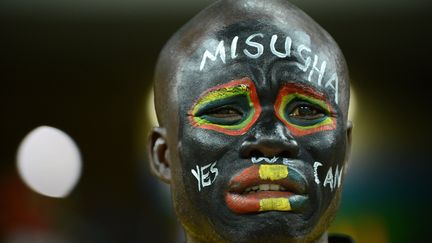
{"points": [[262, 139]]}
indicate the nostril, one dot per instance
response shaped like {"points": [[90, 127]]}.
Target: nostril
{"points": [[256, 153], [269, 147], [284, 154]]}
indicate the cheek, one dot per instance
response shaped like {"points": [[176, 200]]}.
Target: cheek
{"points": [[203, 158], [325, 146], [206, 145], [204, 161], [326, 154]]}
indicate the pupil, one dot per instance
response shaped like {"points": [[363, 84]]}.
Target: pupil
{"points": [[226, 112], [305, 111]]}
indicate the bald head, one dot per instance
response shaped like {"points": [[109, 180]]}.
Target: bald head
{"points": [[223, 21]]}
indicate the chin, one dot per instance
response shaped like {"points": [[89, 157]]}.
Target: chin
{"points": [[272, 226], [272, 232], [219, 224]]}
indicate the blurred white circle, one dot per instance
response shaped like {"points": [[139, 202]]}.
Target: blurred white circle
{"points": [[49, 161], [151, 112]]}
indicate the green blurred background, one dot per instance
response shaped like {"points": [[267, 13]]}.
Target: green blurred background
{"points": [[86, 66]]}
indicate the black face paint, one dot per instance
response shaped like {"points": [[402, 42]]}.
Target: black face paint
{"points": [[304, 136]]}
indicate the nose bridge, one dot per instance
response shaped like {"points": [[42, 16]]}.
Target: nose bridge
{"points": [[269, 138]]}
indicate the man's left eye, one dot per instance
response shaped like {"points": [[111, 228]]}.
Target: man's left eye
{"points": [[306, 112]]}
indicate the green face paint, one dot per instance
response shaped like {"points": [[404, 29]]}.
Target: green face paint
{"points": [[304, 110], [230, 108]]}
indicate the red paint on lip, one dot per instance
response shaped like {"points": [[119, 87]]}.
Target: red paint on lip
{"points": [[240, 202], [248, 177], [250, 203]]}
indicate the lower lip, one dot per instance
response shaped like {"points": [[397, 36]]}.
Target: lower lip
{"points": [[259, 201]]}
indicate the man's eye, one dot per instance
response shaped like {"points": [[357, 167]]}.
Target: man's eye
{"points": [[223, 115], [228, 111], [306, 112], [225, 112]]}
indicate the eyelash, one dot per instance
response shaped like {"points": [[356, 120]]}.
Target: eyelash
{"points": [[226, 118], [216, 106], [291, 98], [222, 108], [302, 103]]}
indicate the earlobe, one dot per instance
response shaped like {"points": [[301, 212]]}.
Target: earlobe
{"points": [[158, 151]]}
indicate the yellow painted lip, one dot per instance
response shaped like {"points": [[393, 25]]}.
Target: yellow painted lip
{"points": [[275, 204], [273, 172], [267, 174]]}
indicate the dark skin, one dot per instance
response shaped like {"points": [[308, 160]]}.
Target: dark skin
{"points": [[224, 114]]}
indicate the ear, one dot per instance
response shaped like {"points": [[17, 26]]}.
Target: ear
{"points": [[157, 148]]}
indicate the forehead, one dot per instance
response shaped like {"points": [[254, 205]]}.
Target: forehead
{"points": [[269, 53]]}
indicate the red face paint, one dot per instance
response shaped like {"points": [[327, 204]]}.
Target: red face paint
{"points": [[236, 88], [240, 200], [292, 92]]}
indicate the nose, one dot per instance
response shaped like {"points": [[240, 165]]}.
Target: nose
{"points": [[269, 141]]}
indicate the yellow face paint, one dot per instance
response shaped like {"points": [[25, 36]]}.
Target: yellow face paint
{"points": [[242, 89], [279, 204], [299, 127], [273, 172]]}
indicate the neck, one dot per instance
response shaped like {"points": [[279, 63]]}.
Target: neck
{"points": [[322, 239]]}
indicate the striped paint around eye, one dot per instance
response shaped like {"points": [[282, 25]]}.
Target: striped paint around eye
{"points": [[238, 87], [293, 91]]}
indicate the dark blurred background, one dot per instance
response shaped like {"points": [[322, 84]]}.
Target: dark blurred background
{"points": [[86, 66]]}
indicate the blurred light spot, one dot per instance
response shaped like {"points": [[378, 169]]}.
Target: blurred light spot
{"points": [[353, 105], [151, 112], [49, 162]]}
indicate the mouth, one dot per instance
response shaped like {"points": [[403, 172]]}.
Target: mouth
{"points": [[265, 187]]}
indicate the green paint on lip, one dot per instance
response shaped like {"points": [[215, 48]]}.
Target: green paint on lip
{"points": [[298, 202]]}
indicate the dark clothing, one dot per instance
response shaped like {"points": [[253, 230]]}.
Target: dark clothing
{"points": [[339, 238]]}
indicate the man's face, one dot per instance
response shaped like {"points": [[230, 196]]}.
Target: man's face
{"points": [[262, 139]]}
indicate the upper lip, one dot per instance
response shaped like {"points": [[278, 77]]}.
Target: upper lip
{"points": [[247, 179]]}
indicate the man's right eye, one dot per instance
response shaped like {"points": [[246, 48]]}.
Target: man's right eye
{"points": [[225, 115], [231, 108]]}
